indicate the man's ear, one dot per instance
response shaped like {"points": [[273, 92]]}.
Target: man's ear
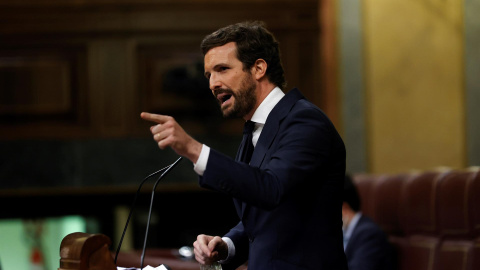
{"points": [[259, 69]]}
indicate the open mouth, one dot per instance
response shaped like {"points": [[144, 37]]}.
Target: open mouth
{"points": [[223, 97]]}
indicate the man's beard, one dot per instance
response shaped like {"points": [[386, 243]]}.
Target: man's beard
{"points": [[245, 99]]}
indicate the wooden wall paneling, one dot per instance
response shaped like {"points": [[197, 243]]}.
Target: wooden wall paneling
{"points": [[309, 79], [137, 16], [111, 86], [41, 88], [35, 85], [125, 44], [300, 60]]}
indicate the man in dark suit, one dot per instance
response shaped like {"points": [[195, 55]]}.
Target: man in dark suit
{"points": [[289, 195], [366, 245]]}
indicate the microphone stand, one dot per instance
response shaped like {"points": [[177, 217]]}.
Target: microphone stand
{"points": [[151, 205], [164, 170]]}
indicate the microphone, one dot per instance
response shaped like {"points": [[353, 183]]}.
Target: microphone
{"points": [[165, 170], [151, 205]]}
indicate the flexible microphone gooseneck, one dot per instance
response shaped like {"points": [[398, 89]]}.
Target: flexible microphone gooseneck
{"points": [[133, 206], [164, 170], [151, 205]]}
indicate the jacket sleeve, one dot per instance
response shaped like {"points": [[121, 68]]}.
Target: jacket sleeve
{"points": [[301, 148], [240, 240]]}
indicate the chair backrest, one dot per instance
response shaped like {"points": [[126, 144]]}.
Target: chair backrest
{"points": [[365, 184], [454, 213], [432, 217], [474, 189], [387, 193]]}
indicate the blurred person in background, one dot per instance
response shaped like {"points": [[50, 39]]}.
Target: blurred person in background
{"points": [[366, 245]]}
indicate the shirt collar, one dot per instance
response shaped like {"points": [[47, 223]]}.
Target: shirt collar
{"points": [[352, 225], [262, 112]]}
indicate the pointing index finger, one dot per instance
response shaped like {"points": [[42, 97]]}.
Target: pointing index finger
{"points": [[157, 118]]}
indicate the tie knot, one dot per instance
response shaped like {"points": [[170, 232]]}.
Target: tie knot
{"points": [[248, 127]]}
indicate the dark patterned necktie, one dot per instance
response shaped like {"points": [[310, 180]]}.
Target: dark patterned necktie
{"points": [[246, 147]]}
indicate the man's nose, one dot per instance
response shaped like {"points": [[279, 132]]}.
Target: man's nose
{"points": [[214, 82]]}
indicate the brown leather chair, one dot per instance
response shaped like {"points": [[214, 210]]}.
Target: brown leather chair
{"points": [[454, 213], [365, 184], [386, 207], [454, 221], [418, 214], [474, 189], [387, 192], [432, 217]]}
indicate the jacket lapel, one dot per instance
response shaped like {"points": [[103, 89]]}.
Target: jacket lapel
{"points": [[270, 130], [272, 125]]}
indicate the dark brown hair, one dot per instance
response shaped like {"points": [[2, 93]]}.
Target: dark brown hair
{"points": [[350, 194], [253, 42]]}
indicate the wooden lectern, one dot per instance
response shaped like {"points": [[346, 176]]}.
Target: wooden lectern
{"points": [[83, 251]]}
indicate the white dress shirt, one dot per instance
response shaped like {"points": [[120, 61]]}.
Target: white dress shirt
{"points": [[349, 230]]}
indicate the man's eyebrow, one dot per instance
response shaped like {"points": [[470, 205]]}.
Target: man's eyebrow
{"points": [[207, 73]]}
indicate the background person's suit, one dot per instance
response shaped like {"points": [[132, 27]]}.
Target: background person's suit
{"points": [[368, 247], [289, 199]]}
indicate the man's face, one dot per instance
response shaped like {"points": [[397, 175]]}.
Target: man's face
{"points": [[233, 87], [345, 215]]}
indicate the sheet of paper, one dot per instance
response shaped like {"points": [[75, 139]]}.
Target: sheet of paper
{"points": [[148, 267]]}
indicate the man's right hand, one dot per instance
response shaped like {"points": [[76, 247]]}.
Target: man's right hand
{"points": [[168, 133]]}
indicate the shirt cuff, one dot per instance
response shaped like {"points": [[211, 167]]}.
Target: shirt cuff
{"points": [[201, 164], [231, 249]]}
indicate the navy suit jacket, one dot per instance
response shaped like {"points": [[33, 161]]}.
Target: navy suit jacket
{"points": [[368, 247], [289, 198]]}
